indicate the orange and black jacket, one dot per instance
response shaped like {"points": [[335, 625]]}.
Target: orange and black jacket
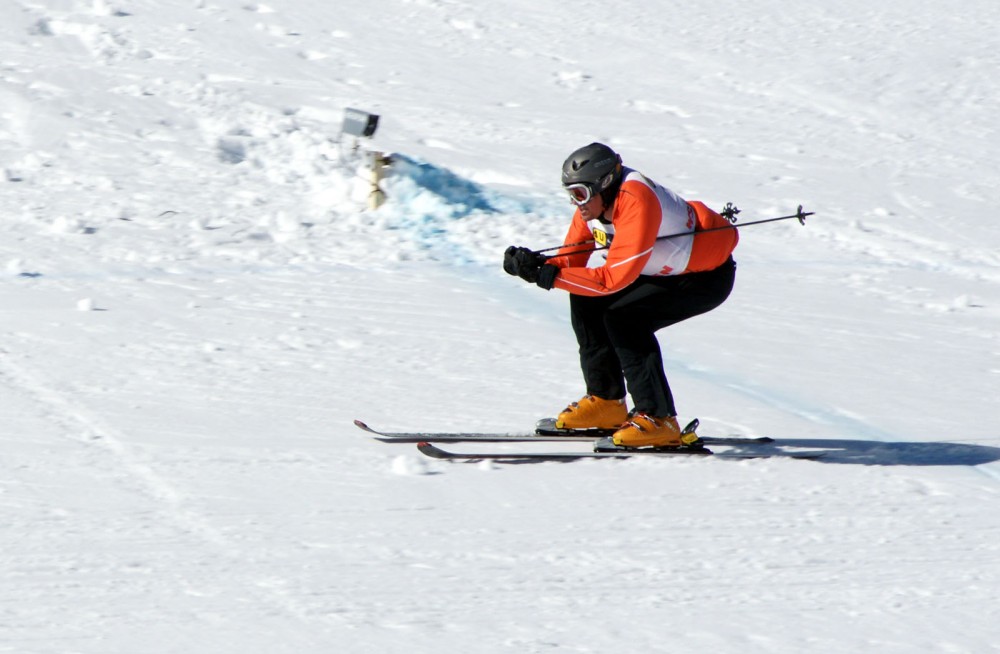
{"points": [[642, 213]]}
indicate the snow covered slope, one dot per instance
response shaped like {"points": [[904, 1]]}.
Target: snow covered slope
{"points": [[195, 303]]}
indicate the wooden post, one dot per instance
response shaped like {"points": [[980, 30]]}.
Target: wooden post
{"points": [[377, 195]]}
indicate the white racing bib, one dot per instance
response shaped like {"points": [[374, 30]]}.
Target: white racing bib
{"points": [[669, 256]]}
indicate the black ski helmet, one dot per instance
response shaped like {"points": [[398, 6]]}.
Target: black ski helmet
{"points": [[597, 166]]}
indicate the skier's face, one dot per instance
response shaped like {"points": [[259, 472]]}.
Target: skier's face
{"points": [[593, 207]]}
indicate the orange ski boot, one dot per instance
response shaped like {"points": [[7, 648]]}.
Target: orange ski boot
{"points": [[592, 412], [644, 430]]}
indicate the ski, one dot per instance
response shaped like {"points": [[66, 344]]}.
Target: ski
{"points": [[546, 431], [435, 452], [547, 427], [461, 437]]}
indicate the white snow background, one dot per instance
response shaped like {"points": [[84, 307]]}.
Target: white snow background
{"points": [[195, 303]]}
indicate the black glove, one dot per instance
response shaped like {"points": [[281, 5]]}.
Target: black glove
{"points": [[547, 276], [523, 263]]}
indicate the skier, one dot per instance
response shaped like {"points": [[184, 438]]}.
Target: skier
{"points": [[645, 283]]}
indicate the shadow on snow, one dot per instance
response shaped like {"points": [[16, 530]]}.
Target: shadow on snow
{"points": [[882, 453]]}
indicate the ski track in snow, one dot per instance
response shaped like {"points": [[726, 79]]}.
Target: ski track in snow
{"points": [[166, 516], [195, 305]]}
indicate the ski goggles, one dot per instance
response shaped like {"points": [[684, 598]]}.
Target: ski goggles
{"points": [[580, 194]]}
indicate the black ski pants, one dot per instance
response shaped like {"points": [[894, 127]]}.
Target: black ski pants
{"points": [[617, 333]]}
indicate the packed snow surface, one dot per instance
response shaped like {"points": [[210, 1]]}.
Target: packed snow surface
{"points": [[196, 302]]}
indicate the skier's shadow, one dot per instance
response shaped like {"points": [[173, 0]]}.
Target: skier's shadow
{"points": [[881, 453]]}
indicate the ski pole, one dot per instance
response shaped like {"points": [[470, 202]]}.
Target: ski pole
{"points": [[729, 213]]}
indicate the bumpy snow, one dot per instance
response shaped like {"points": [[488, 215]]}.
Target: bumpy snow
{"points": [[195, 303]]}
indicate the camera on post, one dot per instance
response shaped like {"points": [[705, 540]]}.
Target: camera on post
{"points": [[359, 123]]}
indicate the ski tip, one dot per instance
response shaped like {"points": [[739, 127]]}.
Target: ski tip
{"points": [[358, 423], [431, 451]]}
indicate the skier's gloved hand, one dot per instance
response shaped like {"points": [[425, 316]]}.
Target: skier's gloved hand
{"points": [[523, 263], [547, 276], [509, 263]]}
